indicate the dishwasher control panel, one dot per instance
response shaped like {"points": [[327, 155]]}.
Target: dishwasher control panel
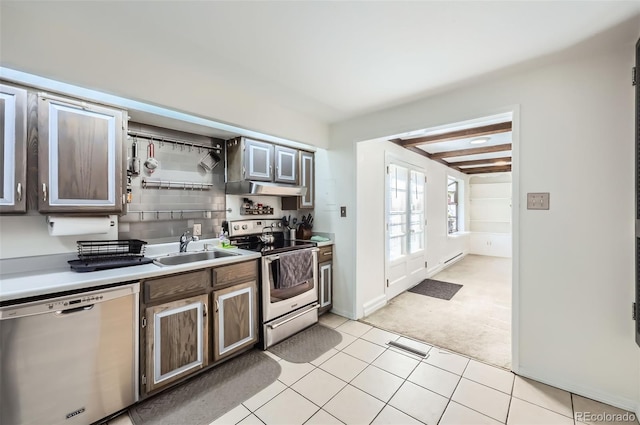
{"points": [[68, 303]]}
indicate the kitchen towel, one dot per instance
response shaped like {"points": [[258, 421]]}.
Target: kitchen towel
{"points": [[296, 267], [64, 226]]}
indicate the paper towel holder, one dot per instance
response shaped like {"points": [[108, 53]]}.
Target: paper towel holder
{"points": [[112, 223]]}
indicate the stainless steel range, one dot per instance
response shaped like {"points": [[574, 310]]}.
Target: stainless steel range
{"points": [[289, 281]]}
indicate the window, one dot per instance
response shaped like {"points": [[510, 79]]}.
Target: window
{"points": [[405, 211], [453, 211]]}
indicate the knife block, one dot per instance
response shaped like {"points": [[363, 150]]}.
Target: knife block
{"points": [[303, 233]]}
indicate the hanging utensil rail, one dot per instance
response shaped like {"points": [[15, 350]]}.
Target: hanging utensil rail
{"points": [[172, 184], [162, 139], [175, 214]]}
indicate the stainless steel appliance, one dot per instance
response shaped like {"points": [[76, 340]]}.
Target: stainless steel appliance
{"points": [[70, 359], [285, 311]]}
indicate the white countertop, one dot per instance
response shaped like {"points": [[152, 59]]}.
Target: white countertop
{"points": [[49, 274]]}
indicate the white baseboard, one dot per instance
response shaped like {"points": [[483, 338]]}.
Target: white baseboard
{"points": [[342, 313], [440, 267], [584, 391], [374, 304]]}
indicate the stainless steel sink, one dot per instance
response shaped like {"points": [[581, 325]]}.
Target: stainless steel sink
{"points": [[190, 257]]}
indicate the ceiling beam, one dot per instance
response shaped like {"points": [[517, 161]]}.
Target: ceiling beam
{"points": [[486, 130], [491, 169], [472, 151], [482, 161], [425, 154]]}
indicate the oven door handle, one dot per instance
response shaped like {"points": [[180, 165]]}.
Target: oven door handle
{"points": [[275, 325]]}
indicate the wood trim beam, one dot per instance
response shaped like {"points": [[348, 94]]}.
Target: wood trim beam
{"points": [[425, 154], [472, 151], [483, 170], [486, 130], [488, 161]]}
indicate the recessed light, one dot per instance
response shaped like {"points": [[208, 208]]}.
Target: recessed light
{"points": [[479, 140]]}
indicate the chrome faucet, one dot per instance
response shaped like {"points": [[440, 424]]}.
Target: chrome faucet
{"points": [[184, 241]]}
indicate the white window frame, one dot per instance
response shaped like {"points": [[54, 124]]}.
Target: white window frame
{"points": [[460, 210], [412, 187]]}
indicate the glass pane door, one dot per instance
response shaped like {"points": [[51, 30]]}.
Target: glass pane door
{"points": [[416, 202], [397, 219]]}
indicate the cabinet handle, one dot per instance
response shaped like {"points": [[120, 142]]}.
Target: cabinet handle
{"points": [[204, 312], [270, 170], [326, 253], [19, 191], [277, 171], [217, 305], [44, 192]]}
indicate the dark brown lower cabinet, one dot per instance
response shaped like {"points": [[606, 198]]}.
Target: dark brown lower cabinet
{"points": [[325, 278], [189, 321], [235, 321], [177, 334]]}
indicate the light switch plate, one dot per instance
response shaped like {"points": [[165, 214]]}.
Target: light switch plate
{"points": [[197, 229], [538, 201]]}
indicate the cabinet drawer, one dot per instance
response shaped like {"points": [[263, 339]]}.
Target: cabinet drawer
{"points": [[170, 286], [325, 253], [242, 272]]}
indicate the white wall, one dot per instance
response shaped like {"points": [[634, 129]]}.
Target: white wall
{"points": [[370, 221], [573, 264], [28, 235]]}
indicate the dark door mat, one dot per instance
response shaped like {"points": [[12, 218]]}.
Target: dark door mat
{"points": [[206, 397], [436, 289], [307, 345]]}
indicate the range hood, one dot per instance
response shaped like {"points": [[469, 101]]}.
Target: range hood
{"points": [[246, 187]]}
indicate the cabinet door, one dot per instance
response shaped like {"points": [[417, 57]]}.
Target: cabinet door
{"points": [[258, 161], [176, 340], [235, 323], [326, 285], [80, 156], [307, 179], [13, 149], [286, 165]]}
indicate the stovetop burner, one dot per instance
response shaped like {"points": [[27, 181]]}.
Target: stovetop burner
{"points": [[245, 234], [253, 243]]}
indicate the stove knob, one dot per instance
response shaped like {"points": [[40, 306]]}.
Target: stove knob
{"points": [[245, 227], [279, 225], [236, 227]]}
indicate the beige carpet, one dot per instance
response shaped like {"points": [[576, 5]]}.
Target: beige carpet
{"points": [[476, 322]]}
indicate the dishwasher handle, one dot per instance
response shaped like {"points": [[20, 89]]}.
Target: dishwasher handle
{"points": [[74, 310]]}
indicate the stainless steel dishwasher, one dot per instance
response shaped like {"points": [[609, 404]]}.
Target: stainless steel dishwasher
{"points": [[71, 359]]}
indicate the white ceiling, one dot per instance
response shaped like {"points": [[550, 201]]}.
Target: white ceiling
{"points": [[458, 144], [330, 60]]}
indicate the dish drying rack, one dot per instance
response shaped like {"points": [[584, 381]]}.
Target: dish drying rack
{"points": [[109, 254]]}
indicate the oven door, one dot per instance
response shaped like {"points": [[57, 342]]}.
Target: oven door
{"points": [[277, 301]]}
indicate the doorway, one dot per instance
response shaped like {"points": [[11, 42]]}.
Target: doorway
{"points": [[469, 247]]}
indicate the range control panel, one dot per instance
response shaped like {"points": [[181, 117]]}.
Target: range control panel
{"points": [[253, 227]]}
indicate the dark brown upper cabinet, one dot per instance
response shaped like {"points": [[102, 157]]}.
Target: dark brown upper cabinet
{"points": [[13, 149], [307, 179], [79, 156], [306, 166], [286, 165]]}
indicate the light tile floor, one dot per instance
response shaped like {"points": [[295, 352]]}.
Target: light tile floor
{"points": [[365, 381]]}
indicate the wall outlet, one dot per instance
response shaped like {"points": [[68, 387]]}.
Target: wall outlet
{"points": [[197, 229], [538, 201]]}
